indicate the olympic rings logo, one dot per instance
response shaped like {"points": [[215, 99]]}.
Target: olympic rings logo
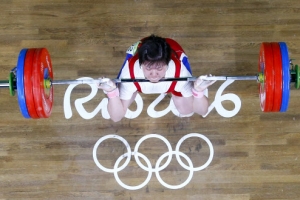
{"points": [[137, 155]]}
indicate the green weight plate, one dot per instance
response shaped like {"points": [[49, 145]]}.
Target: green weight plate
{"points": [[12, 83], [297, 81]]}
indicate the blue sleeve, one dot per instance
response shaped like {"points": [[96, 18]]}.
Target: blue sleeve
{"points": [[186, 63], [128, 56]]}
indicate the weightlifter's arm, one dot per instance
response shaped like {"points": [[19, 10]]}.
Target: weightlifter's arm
{"points": [[116, 107], [200, 103]]}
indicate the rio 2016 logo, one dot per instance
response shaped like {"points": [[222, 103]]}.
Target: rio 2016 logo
{"points": [[102, 106]]}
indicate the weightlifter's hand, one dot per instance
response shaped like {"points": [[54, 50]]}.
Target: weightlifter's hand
{"points": [[200, 84], [106, 84]]}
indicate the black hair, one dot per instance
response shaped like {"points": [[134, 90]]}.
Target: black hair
{"points": [[154, 49]]}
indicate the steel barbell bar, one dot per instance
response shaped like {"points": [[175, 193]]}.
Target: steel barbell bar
{"points": [[61, 82], [49, 82]]}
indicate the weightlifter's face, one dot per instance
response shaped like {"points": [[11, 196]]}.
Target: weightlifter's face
{"points": [[154, 72]]}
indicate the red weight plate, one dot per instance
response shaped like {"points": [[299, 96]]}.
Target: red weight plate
{"points": [[28, 84], [42, 69], [266, 89], [277, 77]]}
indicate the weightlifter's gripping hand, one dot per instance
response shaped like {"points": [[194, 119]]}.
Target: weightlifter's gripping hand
{"points": [[200, 84], [106, 84]]}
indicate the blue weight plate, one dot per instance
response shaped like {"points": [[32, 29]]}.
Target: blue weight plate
{"points": [[20, 83], [286, 77]]}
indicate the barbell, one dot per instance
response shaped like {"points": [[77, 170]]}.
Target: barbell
{"points": [[33, 79]]}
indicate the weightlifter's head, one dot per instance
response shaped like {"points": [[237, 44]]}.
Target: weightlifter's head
{"points": [[154, 57]]}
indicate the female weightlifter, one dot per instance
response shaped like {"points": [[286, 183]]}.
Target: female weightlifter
{"points": [[154, 58]]}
